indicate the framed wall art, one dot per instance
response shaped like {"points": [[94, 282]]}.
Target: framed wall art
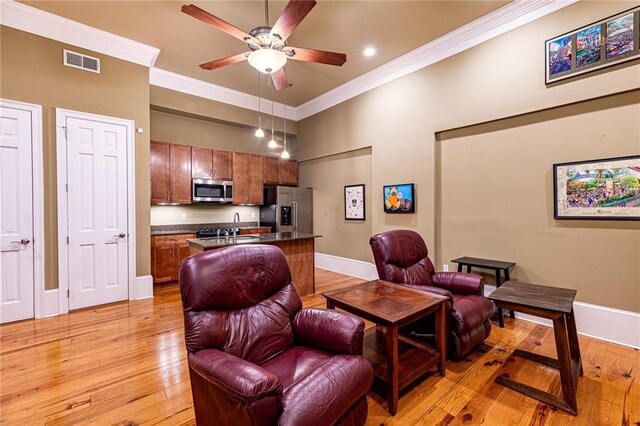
{"points": [[354, 207], [610, 41], [598, 189], [399, 198]]}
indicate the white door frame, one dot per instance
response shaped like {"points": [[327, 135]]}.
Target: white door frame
{"points": [[38, 201], [63, 248]]}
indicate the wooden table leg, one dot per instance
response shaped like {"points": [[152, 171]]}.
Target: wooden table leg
{"points": [[506, 278], [441, 338], [330, 304], [564, 362], [500, 314], [459, 267], [574, 345], [392, 369]]}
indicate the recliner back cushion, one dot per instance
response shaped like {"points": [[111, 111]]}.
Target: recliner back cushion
{"points": [[401, 256], [240, 300]]}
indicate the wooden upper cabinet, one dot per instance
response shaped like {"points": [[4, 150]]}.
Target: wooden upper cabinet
{"points": [[241, 178], [222, 165], [170, 173], [288, 172], [201, 163], [160, 172], [271, 167], [180, 174], [255, 179]]}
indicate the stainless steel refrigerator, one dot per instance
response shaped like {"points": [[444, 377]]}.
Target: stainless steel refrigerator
{"points": [[287, 209]]}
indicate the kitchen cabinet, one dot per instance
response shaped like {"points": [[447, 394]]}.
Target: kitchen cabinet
{"points": [[252, 231], [247, 178], [222, 165], [209, 163], [167, 251], [288, 173], [271, 167], [170, 173]]}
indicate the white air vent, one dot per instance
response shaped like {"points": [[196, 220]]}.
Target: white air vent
{"points": [[77, 60]]}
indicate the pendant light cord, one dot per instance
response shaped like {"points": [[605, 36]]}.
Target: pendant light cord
{"points": [[272, 102], [259, 104]]}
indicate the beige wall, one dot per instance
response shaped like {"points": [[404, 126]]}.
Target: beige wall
{"points": [[498, 203], [345, 238], [188, 130], [32, 71], [501, 78]]}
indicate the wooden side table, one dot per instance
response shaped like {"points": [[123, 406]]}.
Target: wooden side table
{"points": [[497, 266], [392, 306], [556, 304]]}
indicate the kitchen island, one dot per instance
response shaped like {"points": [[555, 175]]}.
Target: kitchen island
{"points": [[298, 248]]}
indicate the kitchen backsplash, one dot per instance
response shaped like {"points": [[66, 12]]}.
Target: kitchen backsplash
{"points": [[202, 213]]}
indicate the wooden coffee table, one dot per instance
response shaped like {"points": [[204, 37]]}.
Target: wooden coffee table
{"points": [[392, 306], [556, 304]]}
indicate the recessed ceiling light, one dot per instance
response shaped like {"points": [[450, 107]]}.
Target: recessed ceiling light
{"points": [[369, 51]]}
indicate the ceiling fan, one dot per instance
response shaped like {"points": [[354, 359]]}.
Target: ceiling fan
{"points": [[269, 48]]}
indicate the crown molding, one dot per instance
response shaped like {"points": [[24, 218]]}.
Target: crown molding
{"points": [[498, 22], [35, 21], [191, 86]]}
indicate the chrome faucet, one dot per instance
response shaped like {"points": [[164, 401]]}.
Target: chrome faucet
{"points": [[236, 220]]}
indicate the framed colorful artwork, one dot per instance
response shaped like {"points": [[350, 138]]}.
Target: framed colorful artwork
{"points": [[597, 189], [610, 41], [399, 198], [354, 207]]}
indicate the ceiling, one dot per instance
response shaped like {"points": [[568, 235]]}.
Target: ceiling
{"points": [[393, 27]]}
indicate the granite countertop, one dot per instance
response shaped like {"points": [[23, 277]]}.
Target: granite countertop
{"points": [[193, 228], [214, 242]]}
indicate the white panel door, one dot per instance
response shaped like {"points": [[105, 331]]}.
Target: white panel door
{"points": [[97, 212], [16, 216]]}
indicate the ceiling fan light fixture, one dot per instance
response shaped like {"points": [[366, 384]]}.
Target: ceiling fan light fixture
{"points": [[267, 61]]}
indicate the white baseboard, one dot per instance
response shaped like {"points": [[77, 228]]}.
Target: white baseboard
{"points": [[143, 288], [346, 266], [601, 322], [51, 303]]}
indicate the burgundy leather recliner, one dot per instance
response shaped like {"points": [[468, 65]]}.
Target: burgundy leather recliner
{"points": [[401, 257], [256, 357]]}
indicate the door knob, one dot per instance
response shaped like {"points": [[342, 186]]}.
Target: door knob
{"points": [[23, 241], [120, 235]]}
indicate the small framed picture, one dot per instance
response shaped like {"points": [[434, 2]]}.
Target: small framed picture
{"points": [[399, 198], [354, 207]]}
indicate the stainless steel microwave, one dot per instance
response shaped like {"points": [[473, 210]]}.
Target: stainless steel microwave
{"points": [[212, 191]]}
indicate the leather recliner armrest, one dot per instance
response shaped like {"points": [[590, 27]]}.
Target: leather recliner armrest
{"points": [[326, 329], [459, 282], [235, 376]]}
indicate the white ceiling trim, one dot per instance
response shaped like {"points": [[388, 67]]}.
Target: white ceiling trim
{"points": [[35, 21], [191, 86], [498, 22]]}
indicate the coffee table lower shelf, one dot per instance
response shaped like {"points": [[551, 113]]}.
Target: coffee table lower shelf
{"points": [[415, 359]]}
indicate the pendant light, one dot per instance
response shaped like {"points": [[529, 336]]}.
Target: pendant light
{"points": [[285, 153], [272, 143], [259, 131]]}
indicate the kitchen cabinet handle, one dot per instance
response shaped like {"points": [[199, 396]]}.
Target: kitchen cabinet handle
{"points": [[295, 215]]}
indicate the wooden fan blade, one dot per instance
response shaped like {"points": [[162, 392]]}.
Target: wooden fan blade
{"points": [[218, 63], [204, 16], [280, 81], [319, 56], [291, 16]]}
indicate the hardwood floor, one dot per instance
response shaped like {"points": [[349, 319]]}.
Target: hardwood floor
{"points": [[125, 364]]}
